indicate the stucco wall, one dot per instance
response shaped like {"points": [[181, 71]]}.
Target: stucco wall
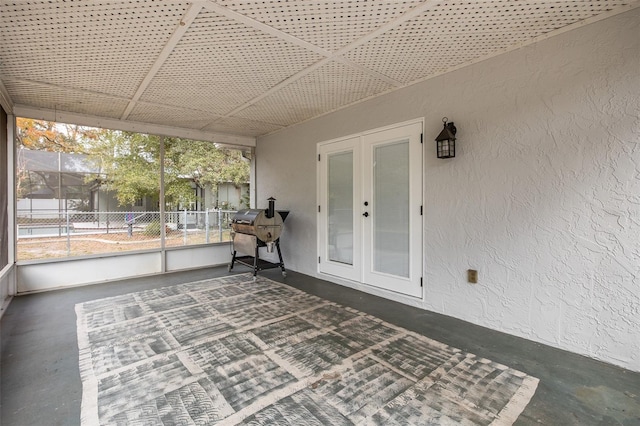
{"points": [[543, 197]]}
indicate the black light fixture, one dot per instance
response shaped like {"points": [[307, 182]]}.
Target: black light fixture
{"points": [[446, 140]]}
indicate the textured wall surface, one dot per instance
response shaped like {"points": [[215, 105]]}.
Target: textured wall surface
{"points": [[543, 198]]}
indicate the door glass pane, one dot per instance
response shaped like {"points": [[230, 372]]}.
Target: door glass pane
{"points": [[391, 209], [340, 203]]}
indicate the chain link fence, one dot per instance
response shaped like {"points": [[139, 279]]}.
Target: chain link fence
{"points": [[54, 234]]}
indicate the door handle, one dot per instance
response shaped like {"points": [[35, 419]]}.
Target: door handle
{"points": [[365, 214]]}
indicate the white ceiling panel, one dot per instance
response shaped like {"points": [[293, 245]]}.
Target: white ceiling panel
{"points": [[330, 87], [228, 64], [56, 98], [241, 126], [247, 67], [330, 25], [170, 116], [104, 46], [451, 34]]}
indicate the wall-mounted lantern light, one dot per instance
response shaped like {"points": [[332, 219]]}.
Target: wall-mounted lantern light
{"points": [[446, 140]]}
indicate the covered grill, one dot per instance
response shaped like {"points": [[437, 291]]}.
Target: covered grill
{"points": [[255, 228], [256, 222]]}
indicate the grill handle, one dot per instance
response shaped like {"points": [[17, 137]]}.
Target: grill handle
{"points": [[272, 207]]}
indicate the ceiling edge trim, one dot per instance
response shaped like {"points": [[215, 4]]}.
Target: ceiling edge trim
{"points": [[5, 99], [108, 95], [131, 126]]}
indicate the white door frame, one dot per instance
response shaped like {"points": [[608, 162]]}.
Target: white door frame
{"points": [[355, 273], [351, 271]]}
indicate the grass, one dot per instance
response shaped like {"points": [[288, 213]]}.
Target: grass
{"points": [[102, 243]]}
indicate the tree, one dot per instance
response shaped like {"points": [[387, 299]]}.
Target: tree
{"points": [[41, 135], [54, 137], [205, 163], [130, 163]]}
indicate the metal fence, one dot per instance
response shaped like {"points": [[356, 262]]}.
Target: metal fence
{"points": [[54, 234]]}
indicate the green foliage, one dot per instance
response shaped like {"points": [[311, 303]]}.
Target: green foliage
{"points": [[132, 163], [152, 229], [129, 163], [245, 200], [205, 163]]}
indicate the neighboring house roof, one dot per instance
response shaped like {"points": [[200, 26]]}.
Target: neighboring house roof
{"points": [[42, 193], [45, 161]]}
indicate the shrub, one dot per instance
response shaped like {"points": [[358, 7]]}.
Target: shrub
{"points": [[152, 229]]}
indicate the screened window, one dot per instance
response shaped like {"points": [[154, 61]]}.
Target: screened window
{"points": [[4, 202], [100, 192]]}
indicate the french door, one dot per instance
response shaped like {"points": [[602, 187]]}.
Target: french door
{"points": [[370, 207]]}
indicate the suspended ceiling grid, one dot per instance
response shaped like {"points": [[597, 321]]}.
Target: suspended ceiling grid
{"points": [[247, 68]]}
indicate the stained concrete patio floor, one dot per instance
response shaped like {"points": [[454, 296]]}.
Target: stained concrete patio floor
{"points": [[40, 380]]}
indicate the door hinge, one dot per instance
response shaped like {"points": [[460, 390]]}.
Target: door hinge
{"points": [[318, 259], [420, 210], [318, 209], [318, 157], [421, 137], [420, 281]]}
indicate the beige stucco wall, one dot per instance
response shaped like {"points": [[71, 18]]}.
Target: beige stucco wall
{"points": [[543, 198]]}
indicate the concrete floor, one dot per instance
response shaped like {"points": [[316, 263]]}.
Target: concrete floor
{"points": [[40, 381]]}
